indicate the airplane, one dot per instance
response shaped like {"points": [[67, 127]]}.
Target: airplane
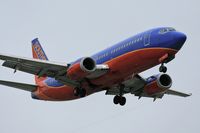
{"points": [[114, 70]]}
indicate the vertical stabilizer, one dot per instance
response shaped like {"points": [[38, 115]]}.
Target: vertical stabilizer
{"points": [[38, 53]]}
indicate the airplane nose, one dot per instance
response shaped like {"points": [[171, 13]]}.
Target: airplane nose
{"points": [[179, 39]]}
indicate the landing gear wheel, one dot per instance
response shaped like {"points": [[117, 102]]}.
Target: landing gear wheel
{"points": [[116, 99], [122, 101], [163, 69], [119, 100]]}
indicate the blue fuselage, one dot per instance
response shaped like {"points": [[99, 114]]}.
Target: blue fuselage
{"points": [[164, 37], [160, 37]]}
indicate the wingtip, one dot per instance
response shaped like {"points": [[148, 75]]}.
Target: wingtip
{"points": [[188, 95]]}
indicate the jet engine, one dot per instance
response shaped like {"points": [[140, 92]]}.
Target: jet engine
{"points": [[81, 69], [157, 84]]}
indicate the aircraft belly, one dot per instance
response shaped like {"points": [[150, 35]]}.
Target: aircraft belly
{"points": [[60, 93], [54, 93]]}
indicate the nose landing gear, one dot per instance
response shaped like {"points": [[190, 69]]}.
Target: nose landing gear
{"points": [[165, 59], [163, 68]]}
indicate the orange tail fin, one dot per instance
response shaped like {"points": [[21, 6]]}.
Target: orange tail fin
{"points": [[38, 53]]}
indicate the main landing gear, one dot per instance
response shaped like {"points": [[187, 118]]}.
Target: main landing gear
{"points": [[163, 68], [81, 92], [119, 100]]}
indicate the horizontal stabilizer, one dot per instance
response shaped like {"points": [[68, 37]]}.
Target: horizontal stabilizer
{"points": [[21, 86]]}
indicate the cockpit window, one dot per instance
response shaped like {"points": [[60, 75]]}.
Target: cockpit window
{"points": [[165, 30]]}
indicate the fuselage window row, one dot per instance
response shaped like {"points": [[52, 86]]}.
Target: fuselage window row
{"points": [[136, 40]]}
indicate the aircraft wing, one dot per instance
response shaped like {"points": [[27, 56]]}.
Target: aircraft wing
{"points": [[136, 85], [177, 93], [38, 67], [46, 68], [33, 66]]}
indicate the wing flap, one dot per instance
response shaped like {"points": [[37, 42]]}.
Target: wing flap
{"points": [[21, 86]]}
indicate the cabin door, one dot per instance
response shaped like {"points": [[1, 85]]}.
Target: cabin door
{"points": [[147, 38]]}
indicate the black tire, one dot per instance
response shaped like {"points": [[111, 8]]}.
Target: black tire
{"points": [[163, 69], [122, 101], [82, 93], [160, 69], [116, 100]]}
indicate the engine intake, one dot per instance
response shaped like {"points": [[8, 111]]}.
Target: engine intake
{"points": [[158, 84], [88, 64], [81, 69], [164, 81]]}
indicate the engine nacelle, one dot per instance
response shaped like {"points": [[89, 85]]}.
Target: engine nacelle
{"points": [[81, 69], [158, 84]]}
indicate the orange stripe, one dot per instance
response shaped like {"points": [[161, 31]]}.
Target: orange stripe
{"points": [[140, 50]]}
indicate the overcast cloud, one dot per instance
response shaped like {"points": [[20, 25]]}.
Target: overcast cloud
{"points": [[72, 29]]}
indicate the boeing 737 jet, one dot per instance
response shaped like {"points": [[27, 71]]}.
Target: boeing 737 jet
{"points": [[114, 70]]}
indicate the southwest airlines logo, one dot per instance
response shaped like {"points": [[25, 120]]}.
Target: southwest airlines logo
{"points": [[39, 52]]}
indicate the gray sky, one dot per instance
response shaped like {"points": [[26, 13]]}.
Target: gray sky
{"points": [[72, 29]]}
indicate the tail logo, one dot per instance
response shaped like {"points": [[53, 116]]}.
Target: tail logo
{"points": [[39, 52]]}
